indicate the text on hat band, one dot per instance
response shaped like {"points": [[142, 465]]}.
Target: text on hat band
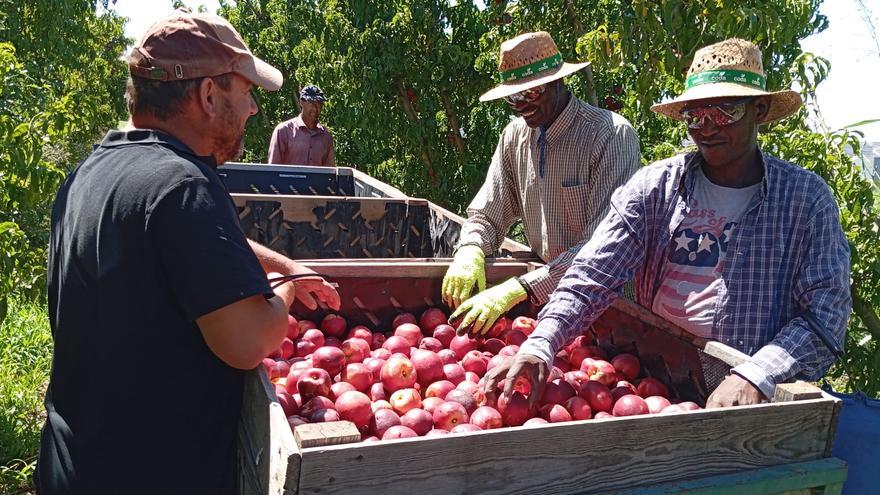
{"points": [[538, 67], [727, 75]]}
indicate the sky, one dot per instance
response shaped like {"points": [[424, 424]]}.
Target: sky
{"points": [[849, 95]]}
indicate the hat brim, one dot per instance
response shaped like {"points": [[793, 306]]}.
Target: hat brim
{"points": [[260, 73], [507, 89], [782, 103]]}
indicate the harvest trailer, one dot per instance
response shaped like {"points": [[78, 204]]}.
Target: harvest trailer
{"points": [[388, 253]]}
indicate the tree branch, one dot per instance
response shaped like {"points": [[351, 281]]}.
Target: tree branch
{"points": [[570, 10], [453, 122], [592, 99], [866, 313], [413, 119]]}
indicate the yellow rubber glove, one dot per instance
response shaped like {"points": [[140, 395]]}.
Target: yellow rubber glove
{"points": [[482, 310], [465, 271]]}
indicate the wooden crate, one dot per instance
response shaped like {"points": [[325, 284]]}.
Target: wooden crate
{"points": [[594, 456]]}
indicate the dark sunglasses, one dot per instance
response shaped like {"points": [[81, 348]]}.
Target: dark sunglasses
{"points": [[720, 114], [526, 96]]}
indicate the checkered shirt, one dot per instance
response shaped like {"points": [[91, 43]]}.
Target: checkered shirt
{"points": [[588, 153], [788, 254]]}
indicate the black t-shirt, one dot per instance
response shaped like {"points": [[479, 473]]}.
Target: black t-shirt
{"points": [[145, 239]]}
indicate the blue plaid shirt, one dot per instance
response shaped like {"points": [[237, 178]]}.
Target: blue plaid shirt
{"points": [[787, 254]]}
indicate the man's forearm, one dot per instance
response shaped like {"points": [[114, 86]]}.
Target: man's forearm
{"points": [[273, 261], [480, 232]]}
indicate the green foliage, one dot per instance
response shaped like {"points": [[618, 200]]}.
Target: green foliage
{"points": [[402, 84], [61, 87], [25, 361], [404, 80]]}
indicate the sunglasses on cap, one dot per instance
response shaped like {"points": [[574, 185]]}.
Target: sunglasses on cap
{"points": [[526, 96], [720, 114]]}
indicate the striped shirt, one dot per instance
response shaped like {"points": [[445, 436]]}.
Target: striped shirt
{"points": [[787, 255], [588, 153]]}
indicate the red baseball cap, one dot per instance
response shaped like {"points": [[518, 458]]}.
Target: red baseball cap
{"points": [[190, 46]]}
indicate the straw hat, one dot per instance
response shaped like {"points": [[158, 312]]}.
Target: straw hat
{"points": [[730, 68], [529, 60]]}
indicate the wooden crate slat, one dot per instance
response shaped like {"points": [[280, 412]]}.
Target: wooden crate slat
{"points": [[265, 443], [825, 474], [563, 458], [331, 433]]}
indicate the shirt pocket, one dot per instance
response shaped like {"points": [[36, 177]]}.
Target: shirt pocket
{"points": [[575, 201]]}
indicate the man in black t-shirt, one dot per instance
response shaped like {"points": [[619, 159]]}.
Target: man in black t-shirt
{"points": [[157, 300]]}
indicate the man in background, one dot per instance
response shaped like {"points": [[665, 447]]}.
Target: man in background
{"points": [[302, 140]]}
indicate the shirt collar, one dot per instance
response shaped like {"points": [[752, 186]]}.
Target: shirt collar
{"points": [[116, 138], [298, 122], [564, 120], [695, 159]]}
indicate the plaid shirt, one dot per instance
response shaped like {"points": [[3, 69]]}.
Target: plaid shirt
{"points": [[588, 153], [787, 254]]}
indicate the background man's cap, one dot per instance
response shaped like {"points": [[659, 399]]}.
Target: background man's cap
{"points": [[312, 93], [189, 46], [527, 61], [732, 67]]}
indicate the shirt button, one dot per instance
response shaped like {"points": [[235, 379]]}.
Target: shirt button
{"points": [[740, 342]]}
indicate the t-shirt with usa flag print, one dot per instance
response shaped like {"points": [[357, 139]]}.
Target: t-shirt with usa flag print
{"points": [[692, 272]]}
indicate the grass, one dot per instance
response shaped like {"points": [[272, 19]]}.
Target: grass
{"points": [[25, 362]]}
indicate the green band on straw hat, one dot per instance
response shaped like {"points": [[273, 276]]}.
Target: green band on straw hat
{"points": [[726, 75], [532, 69]]}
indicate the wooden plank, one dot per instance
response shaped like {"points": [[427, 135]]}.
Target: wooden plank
{"points": [[832, 427], [253, 437], [321, 434], [265, 448], [799, 390], [562, 458], [283, 452], [435, 268], [291, 472], [725, 353], [800, 477]]}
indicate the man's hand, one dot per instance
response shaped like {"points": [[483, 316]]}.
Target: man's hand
{"points": [[735, 391], [310, 289], [307, 289], [467, 269], [481, 311], [531, 368]]}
